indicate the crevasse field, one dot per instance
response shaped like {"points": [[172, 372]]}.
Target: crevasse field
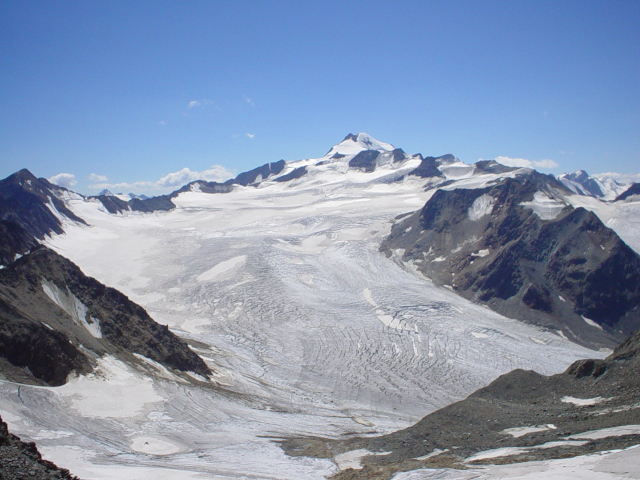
{"points": [[308, 328]]}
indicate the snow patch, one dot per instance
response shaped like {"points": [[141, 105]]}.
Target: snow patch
{"points": [[482, 206], [352, 459], [74, 307], [518, 432], [367, 295], [591, 322], [155, 445], [113, 391], [222, 268], [545, 207], [584, 401], [607, 432]]}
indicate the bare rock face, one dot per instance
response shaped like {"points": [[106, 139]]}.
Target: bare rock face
{"points": [[633, 190], [518, 248], [54, 320], [51, 309], [30, 201]]}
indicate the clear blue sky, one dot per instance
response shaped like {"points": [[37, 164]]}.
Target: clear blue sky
{"points": [[133, 91]]}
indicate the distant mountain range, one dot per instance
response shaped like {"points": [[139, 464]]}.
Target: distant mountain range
{"points": [[507, 238]]}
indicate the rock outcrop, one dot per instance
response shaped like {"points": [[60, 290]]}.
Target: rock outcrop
{"points": [[55, 319], [520, 249], [522, 413], [21, 460]]}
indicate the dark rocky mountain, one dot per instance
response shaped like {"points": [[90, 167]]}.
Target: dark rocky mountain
{"points": [[292, 175], [365, 160], [521, 410], [634, 189], [21, 460], [114, 204], [491, 166], [258, 174], [33, 204], [428, 168], [518, 248], [204, 187], [55, 320]]}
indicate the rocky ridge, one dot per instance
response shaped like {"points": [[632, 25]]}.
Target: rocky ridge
{"points": [[54, 320], [522, 416], [21, 460], [520, 248]]}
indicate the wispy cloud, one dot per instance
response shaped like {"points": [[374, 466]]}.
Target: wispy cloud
{"points": [[250, 135], [199, 103], [66, 180], [94, 177], [249, 101], [124, 187], [523, 162]]}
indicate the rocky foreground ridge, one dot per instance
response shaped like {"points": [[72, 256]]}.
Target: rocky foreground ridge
{"points": [[21, 460], [522, 416]]}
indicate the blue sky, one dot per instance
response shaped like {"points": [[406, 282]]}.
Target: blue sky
{"points": [[126, 93]]}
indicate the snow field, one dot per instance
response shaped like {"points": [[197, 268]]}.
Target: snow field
{"points": [[308, 328]]}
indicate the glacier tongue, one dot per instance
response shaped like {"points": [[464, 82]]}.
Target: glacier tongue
{"points": [[283, 293]]}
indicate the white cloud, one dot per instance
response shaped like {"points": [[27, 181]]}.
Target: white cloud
{"points": [[199, 103], [66, 180], [168, 183], [249, 101], [217, 173], [124, 186], [623, 178], [250, 135], [523, 162], [94, 177]]}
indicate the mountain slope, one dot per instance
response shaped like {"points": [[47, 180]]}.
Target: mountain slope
{"points": [[33, 204], [55, 320], [521, 416], [633, 190], [520, 249], [19, 460]]}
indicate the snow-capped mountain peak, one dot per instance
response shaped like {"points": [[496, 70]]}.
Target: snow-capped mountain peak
{"points": [[353, 144]]}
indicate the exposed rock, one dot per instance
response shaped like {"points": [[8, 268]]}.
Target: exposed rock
{"points": [[521, 409], [365, 160], [634, 189], [428, 168], [50, 309], [518, 248], [30, 203], [491, 166], [21, 460], [204, 187], [258, 174], [293, 174]]}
